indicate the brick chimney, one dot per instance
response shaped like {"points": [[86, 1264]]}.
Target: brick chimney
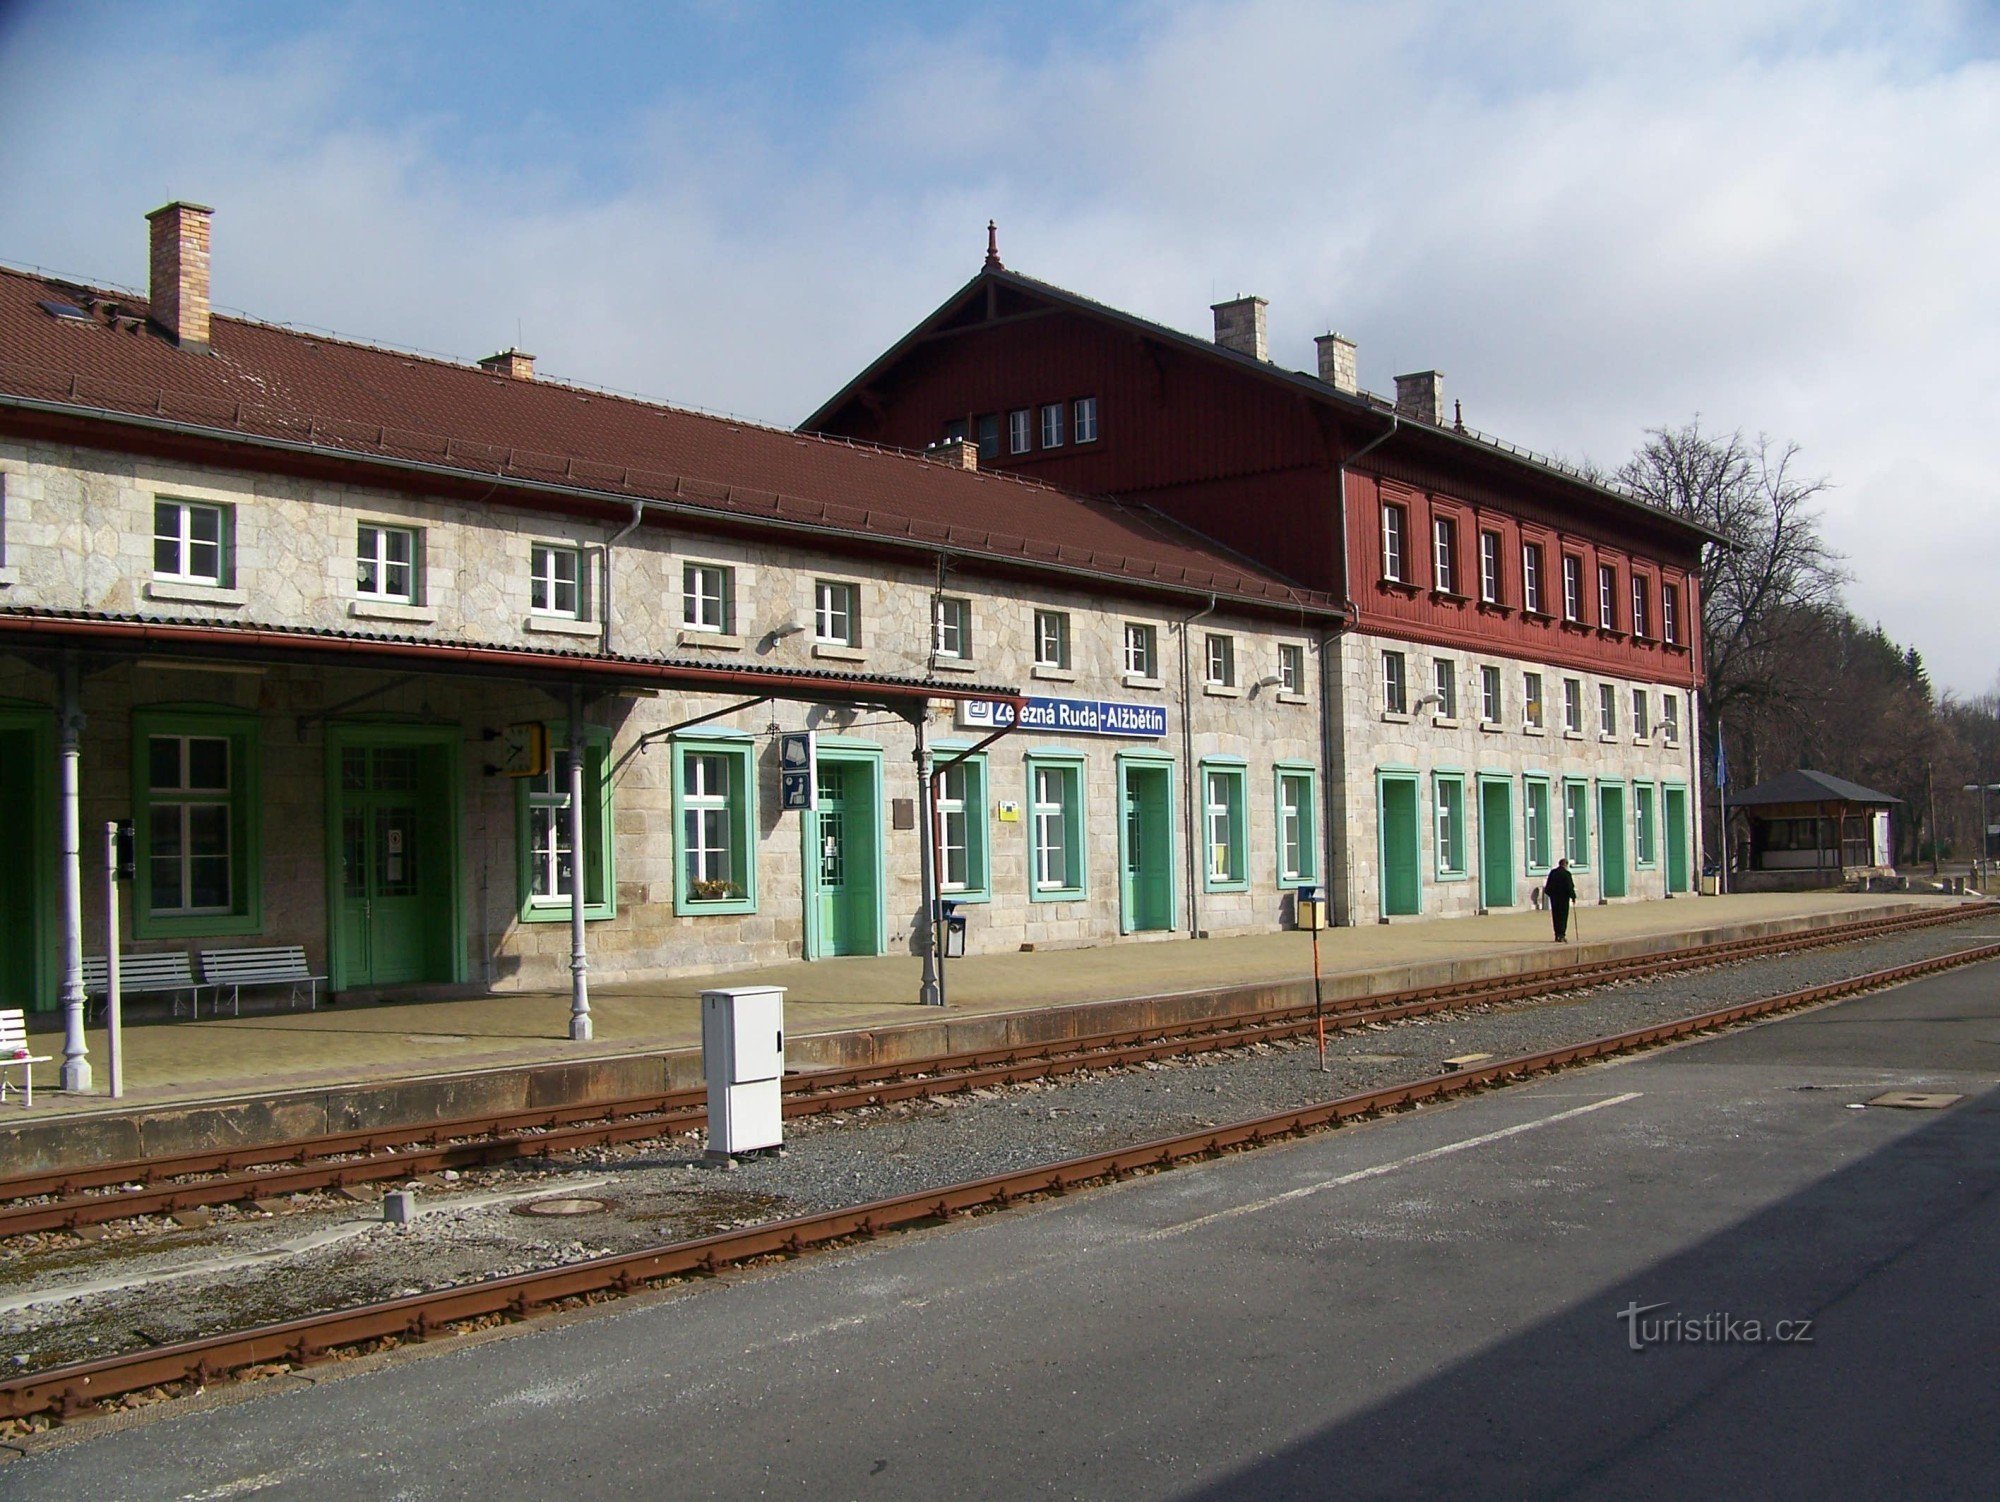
{"points": [[1420, 397], [1336, 362], [956, 453], [1239, 325], [511, 363], [179, 293]]}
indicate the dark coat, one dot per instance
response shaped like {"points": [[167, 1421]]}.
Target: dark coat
{"points": [[1560, 886]]}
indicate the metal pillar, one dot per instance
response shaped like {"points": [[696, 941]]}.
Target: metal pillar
{"points": [[579, 959], [929, 992], [75, 1074], [114, 1011]]}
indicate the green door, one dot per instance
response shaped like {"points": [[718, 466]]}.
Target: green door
{"points": [[1677, 839], [27, 885], [846, 859], [1611, 839], [395, 880], [1400, 855], [1146, 870], [1496, 843]]}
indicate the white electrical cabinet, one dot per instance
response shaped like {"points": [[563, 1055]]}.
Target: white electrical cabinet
{"points": [[743, 1057]]}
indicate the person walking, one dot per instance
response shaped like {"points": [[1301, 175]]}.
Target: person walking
{"points": [[1561, 891]]}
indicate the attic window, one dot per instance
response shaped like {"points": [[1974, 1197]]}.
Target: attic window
{"points": [[68, 312]]}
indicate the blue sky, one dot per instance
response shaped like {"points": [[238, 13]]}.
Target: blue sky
{"points": [[1594, 215]]}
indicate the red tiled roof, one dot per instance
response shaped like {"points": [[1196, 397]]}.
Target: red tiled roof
{"points": [[262, 382]]}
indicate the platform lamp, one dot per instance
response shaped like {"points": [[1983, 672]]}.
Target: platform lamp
{"points": [[1985, 839]]}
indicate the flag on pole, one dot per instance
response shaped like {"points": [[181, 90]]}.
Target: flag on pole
{"points": [[1721, 759]]}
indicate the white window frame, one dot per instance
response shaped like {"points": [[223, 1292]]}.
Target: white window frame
{"points": [[187, 799], [836, 613], [707, 597], [1394, 564], [1052, 639], [1537, 833], [1052, 425], [1607, 596], [547, 582], [1490, 707], [954, 828], [1670, 613], [1641, 626], [1531, 577], [376, 563], [1141, 650], [1297, 853], [1444, 555], [1642, 725], [1451, 843], [1021, 430], [183, 541], [1607, 709], [951, 628], [1083, 420], [705, 808], [1054, 786], [1670, 719], [1444, 683], [1395, 683], [1489, 568], [1534, 708], [1218, 658], [1291, 667], [1572, 567], [1572, 706]]}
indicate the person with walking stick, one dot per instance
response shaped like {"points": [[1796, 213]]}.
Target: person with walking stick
{"points": [[1561, 891]]}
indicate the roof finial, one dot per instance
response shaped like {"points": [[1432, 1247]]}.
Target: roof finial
{"points": [[993, 247], [1458, 416]]}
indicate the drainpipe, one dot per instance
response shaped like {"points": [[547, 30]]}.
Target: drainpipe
{"points": [[1188, 776], [638, 514], [1333, 790], [579, 961], [76, 1054], [929, 992]]}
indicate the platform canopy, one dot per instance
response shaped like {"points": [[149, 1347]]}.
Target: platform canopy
{"points": [[1810, 787]]}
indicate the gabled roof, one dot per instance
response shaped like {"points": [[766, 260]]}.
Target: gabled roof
{"points": [[261, 385], [1807, 787], [1376, 410]]}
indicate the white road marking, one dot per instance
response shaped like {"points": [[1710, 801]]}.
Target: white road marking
{"points": [[332, 1236], [1380, 1169]]}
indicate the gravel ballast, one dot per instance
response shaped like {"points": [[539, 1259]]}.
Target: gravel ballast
{"points": [[64, 1298]]}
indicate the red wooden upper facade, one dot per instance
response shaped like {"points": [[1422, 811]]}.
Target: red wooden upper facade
{"points": [[1052, 385]]}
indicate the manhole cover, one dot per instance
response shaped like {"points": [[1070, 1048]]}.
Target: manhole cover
{"points": [[576, 1204], [1916, 1100]]}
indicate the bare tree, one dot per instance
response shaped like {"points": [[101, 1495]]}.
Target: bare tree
{"points": [[1773, 586]]}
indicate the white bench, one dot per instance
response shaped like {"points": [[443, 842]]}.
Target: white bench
{"points": [[14, 1055], [141, 973], [277, 965]]}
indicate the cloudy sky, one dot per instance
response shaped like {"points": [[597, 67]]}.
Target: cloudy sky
{"points": [[1595, 217]]}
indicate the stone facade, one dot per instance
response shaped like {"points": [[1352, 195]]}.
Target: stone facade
{"points": [[80, 525]]}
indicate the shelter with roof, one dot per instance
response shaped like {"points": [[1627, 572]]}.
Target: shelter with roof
{"points": [[460, 678], [1514, 675], [1804, 829]]}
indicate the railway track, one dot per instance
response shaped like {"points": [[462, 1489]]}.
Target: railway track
{"points": [[72, 1199], [70, 1391]]}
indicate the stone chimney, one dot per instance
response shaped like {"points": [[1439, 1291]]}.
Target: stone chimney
{"points": [[1336, 362], [1239, 325], [1420, 397], [956, 453], [179, 293], [511, 363]]}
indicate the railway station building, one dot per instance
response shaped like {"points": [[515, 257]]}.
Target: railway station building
{"points": [[323, 621], [1515, 675]]}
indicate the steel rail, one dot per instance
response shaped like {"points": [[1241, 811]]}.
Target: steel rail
{"points": [[345, 1160], [68, 1391]]}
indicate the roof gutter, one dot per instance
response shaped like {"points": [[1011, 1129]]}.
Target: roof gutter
{"points": [[1288, 609], [771, 685]]}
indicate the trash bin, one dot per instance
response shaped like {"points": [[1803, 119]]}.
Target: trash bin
{"points": [[954, 929], [1308, 908]]}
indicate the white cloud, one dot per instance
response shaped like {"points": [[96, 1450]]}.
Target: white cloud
{"points": [[1594, 217]]}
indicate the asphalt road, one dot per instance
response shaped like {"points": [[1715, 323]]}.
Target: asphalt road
{"points": [[1430, 1306]]}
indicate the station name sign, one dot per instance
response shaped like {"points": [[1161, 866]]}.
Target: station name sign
{"points": [[1068, 717]]}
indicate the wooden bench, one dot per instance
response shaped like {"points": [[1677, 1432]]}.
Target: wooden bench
{"points": [[14, 1055], [139, 974], [277, 965]]}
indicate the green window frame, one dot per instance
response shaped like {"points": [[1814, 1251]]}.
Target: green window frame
{"points": [[963, 838], [1576, 822], [174, 817], [541, 825], [1537, 832], [1448, 824], [715, 825], [1057, 869], [1297, 789], [1225, 831], [1645, 825]]}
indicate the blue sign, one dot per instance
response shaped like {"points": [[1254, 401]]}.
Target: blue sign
{"points": [[798, 770], [1069, 717]]}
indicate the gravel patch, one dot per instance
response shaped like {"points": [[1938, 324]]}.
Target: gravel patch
{"points": [[328, 1252]]}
